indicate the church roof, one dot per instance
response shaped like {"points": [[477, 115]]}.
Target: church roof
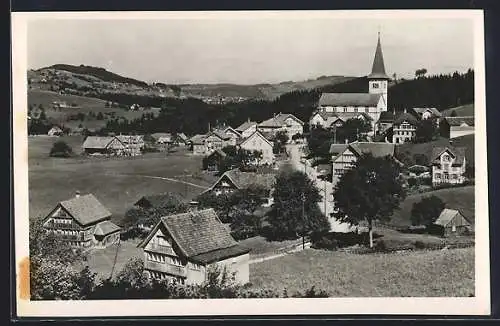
{"points": [[349, 99], [378, 68]]}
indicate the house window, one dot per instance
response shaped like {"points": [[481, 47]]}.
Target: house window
{"points": [[453, 228], [446, 158], [445, 176], [437, 176], [453, 176]]}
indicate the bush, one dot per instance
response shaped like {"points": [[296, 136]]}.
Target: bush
{"points": [[60, 149], [380, 246], [420, 245]]}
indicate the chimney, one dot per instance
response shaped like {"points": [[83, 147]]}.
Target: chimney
{"points": [[347, 141], [248, 119], [77, 194], [405, 111]]}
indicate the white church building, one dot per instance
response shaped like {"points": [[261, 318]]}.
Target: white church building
{"points": [[335, 108]]}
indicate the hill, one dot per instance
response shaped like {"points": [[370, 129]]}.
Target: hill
{"points": [[460, 198], [460, 111]]}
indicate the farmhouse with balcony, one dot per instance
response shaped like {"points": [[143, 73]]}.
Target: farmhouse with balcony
{"points": [[450, 222], [183, 247], [404, 128], [345, 156], [247, 128], [82, 221], [372, 103], [235, 179], [448, 165], [103, 146], [286, 122], [258, 142]]}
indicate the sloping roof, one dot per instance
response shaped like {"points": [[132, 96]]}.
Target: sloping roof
{"points": [[245, 125], [257, 133], [337, 148], [229, 129], [405, 116], [198, 139], [220, 254], [219, 133], [378, 68], [98, 142], [386, 116], [447, 215], [198, 232], [377, 149], [182, 136], [344, 116], [218, 151], [458, 152], [157, 200], [105, 228], [158, 135], [243, 180], [349, 99], [434, 111], [279, 120], [85, 209], [457, 121], [130, 139]]}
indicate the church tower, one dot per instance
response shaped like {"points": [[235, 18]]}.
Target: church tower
{"points": [[378, 80]]}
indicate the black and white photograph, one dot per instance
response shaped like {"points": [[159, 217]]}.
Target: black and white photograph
{"points": [[319, 162]]}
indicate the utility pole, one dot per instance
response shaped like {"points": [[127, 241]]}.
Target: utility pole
{"points": [[324, 194], [303, 221]]}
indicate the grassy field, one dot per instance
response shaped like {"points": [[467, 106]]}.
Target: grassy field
{"points": [[116, 182], [416, 274], [460, 198], [464, 110], [262, 247]]}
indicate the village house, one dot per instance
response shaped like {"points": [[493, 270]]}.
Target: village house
{"points": [[134, 144], [450, 222], [235, 179], [404, 128], [183, 248], [372, 103], [458, 126], [332, 120], [232, 134], [258, 142], [212, 161], [286, 122], [103, 146], [216, 139], [55, 131], [198, 144], [427, 113], [247, 128], [162, 138], [82, 221], [448, 165], [180, 139], [345, 156]]}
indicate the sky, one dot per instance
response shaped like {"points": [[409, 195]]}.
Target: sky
{"points": [[249, 51]]}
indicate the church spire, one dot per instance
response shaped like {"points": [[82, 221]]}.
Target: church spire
{"points": [[378, 68]]}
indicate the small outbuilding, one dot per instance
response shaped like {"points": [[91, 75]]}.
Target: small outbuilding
{"points": [[450, 222]]}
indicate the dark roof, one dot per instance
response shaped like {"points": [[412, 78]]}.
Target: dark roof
{"points": [[458, 121], [158, 200], [220, 254], [105, 228], [219, 152], [377, 149], [337, 148], [219, 133], [86, 209], [386, 116], [200, 235], [378, 67], [349, 99], [457, 152], [266, 136], [245, 125], [278, 120], [244, 179], [405, 116]]}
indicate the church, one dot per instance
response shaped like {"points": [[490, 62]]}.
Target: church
{"points": [[334, 109]]}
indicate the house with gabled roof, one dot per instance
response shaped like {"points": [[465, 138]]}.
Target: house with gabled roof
{"points": [[247, 128], [427, 113], [345, 156], [286, 122], [180, 139], [459, 126], [212, 161], [103, 146], [404, 128], [372, 103], [230, 132], [259, 142], [183, 247], [451, 222], [448, 165], [83, 222], [198, 144], [236, 179]]}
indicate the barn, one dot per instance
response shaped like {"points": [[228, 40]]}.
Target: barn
{"points": [[451, 222]]}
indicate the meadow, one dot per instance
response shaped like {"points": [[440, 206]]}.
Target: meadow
{"points": [[443, 273], [464, 110], [117, 182]]}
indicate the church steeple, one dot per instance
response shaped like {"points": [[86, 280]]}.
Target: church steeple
{"points": [[378, 68]]}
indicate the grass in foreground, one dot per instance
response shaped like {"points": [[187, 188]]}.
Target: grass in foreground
{"points": [[447, 273]]}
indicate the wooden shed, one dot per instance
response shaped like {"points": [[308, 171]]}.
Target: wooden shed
{"points": [[451, 222]]}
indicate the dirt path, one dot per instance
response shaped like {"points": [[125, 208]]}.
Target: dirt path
{"points": [[160, 178], [296, 249]]}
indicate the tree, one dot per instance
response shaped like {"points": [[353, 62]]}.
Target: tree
{"points": [[280, 140], [353, 129], [99, 116], [43, 115], [319, 141], [60, 149], [295, 211], [453, 113], [369, 191], [426, 211], [426, 131]]}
